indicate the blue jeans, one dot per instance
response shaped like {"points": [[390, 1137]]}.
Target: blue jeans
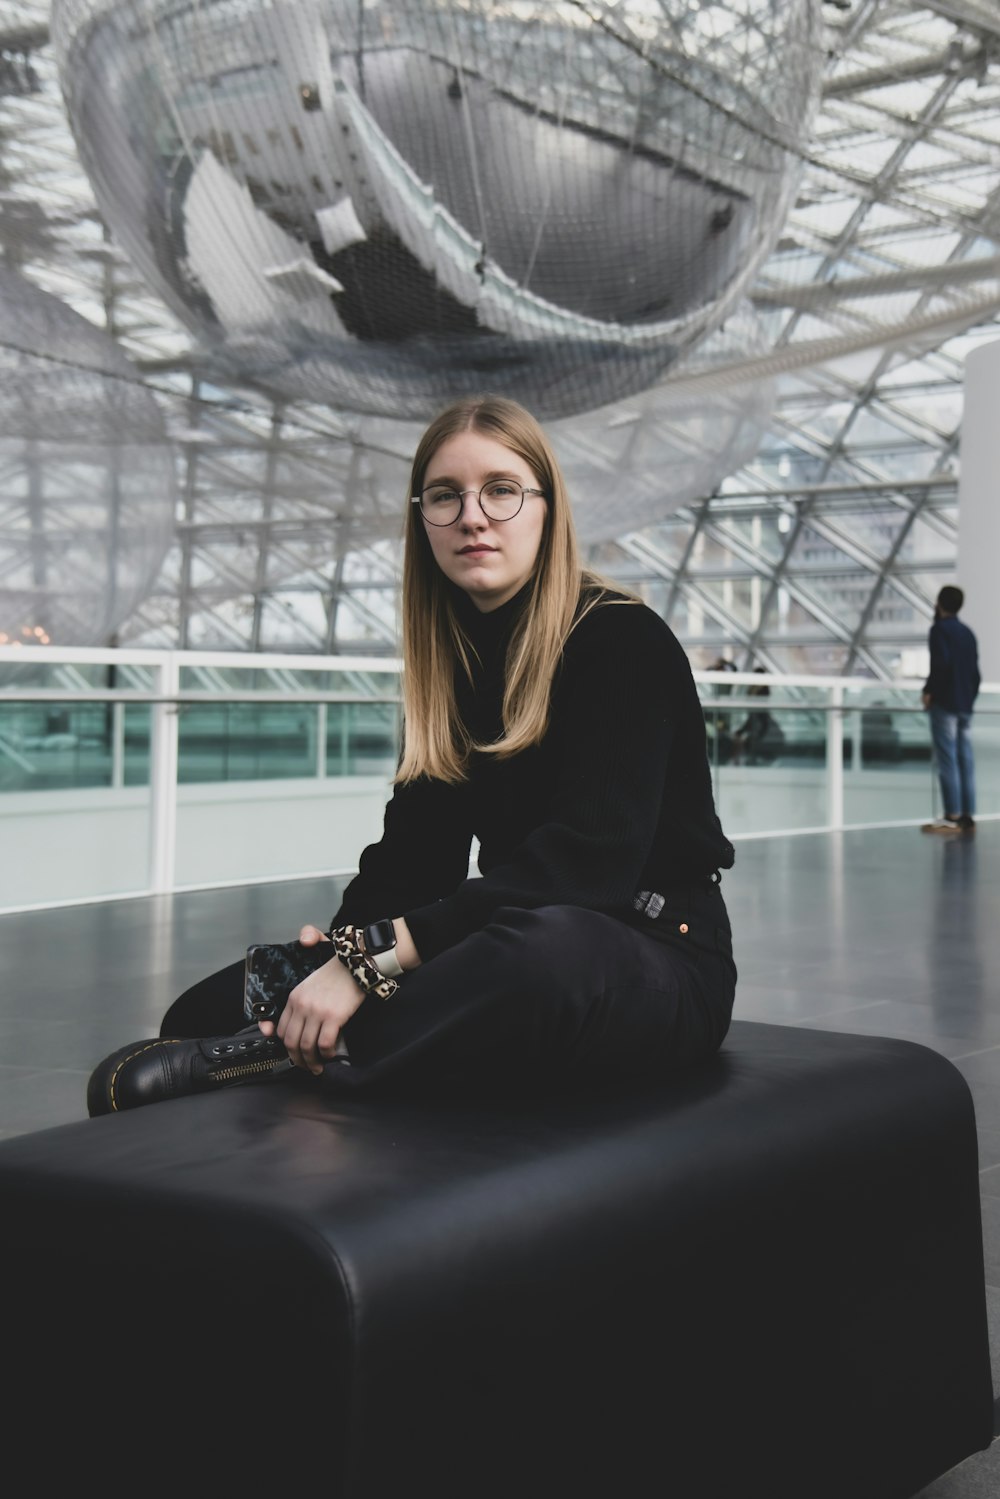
{"points": [[952, 739]]}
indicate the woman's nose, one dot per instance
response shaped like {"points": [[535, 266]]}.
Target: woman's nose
{"points": [[471, 510]]}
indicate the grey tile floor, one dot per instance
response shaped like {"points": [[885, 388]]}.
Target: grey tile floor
{"points": [[884, 931]]}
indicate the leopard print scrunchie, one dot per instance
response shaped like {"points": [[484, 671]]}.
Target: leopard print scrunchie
{"points": [[363, 970]]}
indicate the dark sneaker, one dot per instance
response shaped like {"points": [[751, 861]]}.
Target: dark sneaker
{"points": [[967, 824], [153, 1070]]}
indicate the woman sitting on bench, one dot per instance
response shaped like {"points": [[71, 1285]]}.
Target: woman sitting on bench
{"points": [[553, 717]]}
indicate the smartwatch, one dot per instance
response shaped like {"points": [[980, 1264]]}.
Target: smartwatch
{"points": [[380, 944]]}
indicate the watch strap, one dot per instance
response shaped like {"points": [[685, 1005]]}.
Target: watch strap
{"points": [[379, 939], [349, 948]]}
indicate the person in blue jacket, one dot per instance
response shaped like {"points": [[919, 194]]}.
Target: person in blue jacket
{"points": [[949, 696]]}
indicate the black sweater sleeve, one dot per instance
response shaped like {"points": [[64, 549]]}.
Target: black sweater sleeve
{"points": [[619, 697], [423, 853]]}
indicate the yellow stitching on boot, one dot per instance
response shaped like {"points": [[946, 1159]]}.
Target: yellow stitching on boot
{"points": [[172, 1041]]}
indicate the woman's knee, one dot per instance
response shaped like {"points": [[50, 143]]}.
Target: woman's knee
{"points": [[548, 940]]}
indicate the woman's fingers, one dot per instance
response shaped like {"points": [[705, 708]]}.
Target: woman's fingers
{"points": [[310, 935], [326, 1041], [317, 1010], [310, 1058], [299, 1038]]}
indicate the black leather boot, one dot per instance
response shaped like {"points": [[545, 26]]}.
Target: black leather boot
{"points": [[153, 1070]]}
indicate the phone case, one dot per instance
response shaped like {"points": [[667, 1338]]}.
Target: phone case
{"points": [[272, 971]]}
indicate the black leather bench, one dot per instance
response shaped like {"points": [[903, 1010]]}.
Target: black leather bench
{"points": [[766, 1277]]}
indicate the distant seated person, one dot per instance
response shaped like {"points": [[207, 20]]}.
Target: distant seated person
{"points": [[717, 725], [759, 739]]}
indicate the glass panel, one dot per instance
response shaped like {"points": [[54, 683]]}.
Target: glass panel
{"points": [[27, 674], [841, 597], [711, 552], [287, 618], [374, 681], [813, 548], [887, 757], [653, 591], [770, 768], [903, 464], [691, 621], [928, 584], [872, 430], [926, 544], [704, 657], [889, 730], [670, 538], [823, 423], [761, 532], [786, 469], [246, 741], [277, 741], [137, 719], [925, 249], [828, 218], [875, 527], [48, 745], [893, 616], [882, 216], [941, 410], [909, 372], [74, 801], [986, 748], [856, 369], [822, 657], [739, 598], [797, 266], [757, 736], [868, 154], [362, 739]]}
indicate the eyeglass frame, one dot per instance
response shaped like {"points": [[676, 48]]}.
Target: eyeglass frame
{"points": [[441, 525]]}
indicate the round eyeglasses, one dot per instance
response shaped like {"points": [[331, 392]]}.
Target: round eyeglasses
{"points": [[501, 499]]}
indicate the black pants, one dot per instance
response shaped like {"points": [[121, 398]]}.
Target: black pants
{"points": [[535, 997]]}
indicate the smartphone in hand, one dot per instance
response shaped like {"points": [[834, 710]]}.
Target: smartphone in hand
{"points": [[272, 971]]}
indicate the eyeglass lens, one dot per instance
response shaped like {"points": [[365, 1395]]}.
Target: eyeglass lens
{"points": [[441, 504]]}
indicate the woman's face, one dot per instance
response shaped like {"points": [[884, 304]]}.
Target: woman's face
{"points": [[490, 560]]}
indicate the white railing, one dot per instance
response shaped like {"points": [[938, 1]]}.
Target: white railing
{"points": [[177, 827]]}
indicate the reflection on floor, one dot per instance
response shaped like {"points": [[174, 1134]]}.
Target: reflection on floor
{"points": [[883, 931]]}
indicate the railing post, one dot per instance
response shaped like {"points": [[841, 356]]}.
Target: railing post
{"points": [[117, 745], [857, 727], [321, 741], [835, 758], [163, 777], [345, 737]]}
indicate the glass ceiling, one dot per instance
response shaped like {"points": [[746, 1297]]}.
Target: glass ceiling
{"points": [[822, 552]]}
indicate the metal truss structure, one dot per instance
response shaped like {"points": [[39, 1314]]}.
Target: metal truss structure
{"points": [[822, 553]]}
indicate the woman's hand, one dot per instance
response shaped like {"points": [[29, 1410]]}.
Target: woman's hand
{"points": [[316, 1010], [319, 1007]]}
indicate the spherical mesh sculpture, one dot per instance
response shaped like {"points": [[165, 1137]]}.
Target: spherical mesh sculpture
{"points": [[626, 465], [387, 203], [88, 487]]}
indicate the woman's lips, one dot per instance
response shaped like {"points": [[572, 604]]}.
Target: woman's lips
{"points": [[476, 551]]}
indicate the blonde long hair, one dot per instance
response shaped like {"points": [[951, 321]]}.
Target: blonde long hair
{"points": [[435, 741]]}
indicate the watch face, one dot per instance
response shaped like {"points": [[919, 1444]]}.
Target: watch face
{"points": [[380, 936]]}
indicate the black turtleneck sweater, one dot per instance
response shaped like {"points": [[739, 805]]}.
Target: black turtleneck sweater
{"points": [[616, 798]]}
